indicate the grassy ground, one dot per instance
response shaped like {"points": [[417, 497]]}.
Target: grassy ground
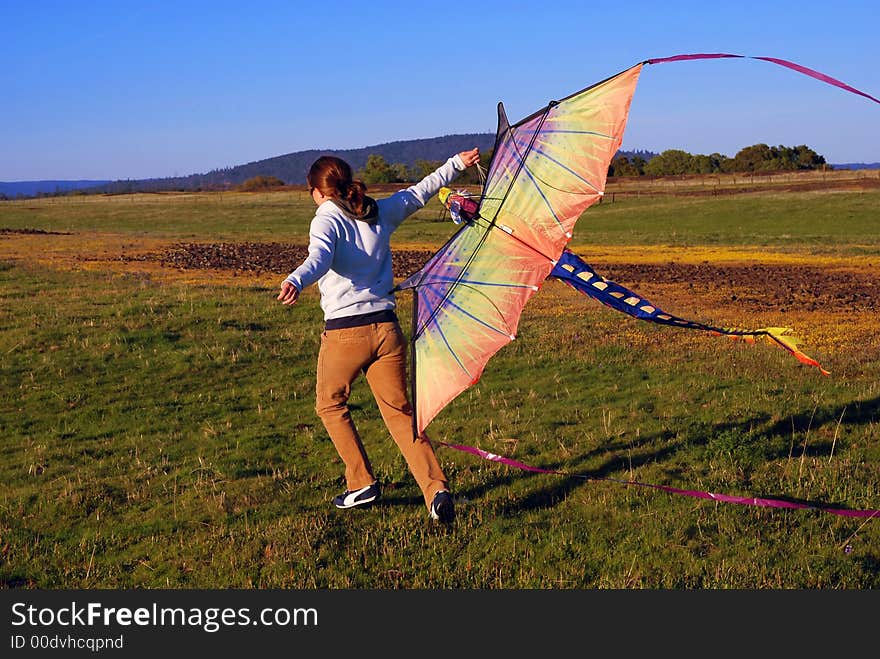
{"points": [[818, 222], [158, 428]]}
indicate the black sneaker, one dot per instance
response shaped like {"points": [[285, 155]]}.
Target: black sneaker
{"points": [[361, 497], [442, 508]]}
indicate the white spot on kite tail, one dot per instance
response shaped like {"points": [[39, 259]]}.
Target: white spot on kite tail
{"points": [[493, 457]]}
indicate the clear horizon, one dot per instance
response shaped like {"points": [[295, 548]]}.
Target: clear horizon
{"points": [[106, 91]]}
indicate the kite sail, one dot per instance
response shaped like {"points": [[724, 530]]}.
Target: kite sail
{"points": [[546, 170]]}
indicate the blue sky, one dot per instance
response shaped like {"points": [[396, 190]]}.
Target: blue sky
{"points": [[110, 90]]}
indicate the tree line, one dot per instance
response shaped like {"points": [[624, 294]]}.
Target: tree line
{"points": [[755, 158]]}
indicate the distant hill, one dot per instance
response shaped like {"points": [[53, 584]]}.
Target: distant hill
{"points": [[292, 167], [33, 188], [856, 165]]}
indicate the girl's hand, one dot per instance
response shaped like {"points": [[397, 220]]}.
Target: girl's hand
{"points": [[289, 293], [470, 158]]}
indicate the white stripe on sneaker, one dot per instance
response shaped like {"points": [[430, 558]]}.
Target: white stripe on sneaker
{"points": [[351, 498]]}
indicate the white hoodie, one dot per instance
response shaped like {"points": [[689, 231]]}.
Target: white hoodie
{"points": [[351, 259]]}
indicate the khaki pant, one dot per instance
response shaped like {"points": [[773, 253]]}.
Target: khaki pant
{"points": [[379, 351]]}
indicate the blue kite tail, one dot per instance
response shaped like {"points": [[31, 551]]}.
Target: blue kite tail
{"points": [[572, 270]]}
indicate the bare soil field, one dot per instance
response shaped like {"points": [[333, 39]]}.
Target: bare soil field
{"points": [[759, 286], [765, 286]]}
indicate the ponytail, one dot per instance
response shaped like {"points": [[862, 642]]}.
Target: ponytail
{"points": [[355, 195], [332, 177]]}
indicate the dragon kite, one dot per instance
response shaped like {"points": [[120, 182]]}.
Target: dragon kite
{"points": [[545, 171]]}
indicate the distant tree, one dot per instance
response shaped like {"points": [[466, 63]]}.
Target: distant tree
{"points": [[702, 164], [670, 162], [764, 158], [258, 183], [806, 158], [421, 168], [720, 162], [754, 158], [376, 170], [400, 173], [623, 165]]}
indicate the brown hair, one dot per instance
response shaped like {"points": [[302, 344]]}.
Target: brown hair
{"points": [[332, 177]]}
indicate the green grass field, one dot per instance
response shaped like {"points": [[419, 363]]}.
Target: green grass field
{"points": [[159, 431], [818, 222]]}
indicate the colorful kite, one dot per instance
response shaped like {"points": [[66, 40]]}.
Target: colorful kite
{"points": [[546, 170]]}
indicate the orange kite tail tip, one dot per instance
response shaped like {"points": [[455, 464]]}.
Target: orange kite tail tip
{"points": [[775, 333], [809, 361]]}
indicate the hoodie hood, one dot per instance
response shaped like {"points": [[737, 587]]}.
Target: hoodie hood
{"points": [[369, 215]]}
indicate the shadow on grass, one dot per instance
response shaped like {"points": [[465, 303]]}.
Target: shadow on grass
{"points": [[16, 581], [854, 413]]}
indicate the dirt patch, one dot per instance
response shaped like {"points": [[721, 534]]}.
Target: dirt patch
{"points": [[757, 286], [35, 231], [276, 258], [760, 286]]}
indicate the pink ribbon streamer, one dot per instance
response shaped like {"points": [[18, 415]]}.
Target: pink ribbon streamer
{"points": [[775, 60], [724, 498]]}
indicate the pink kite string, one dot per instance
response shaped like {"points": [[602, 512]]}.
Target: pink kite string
{"points": [[775, 60], [724, 498]]}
